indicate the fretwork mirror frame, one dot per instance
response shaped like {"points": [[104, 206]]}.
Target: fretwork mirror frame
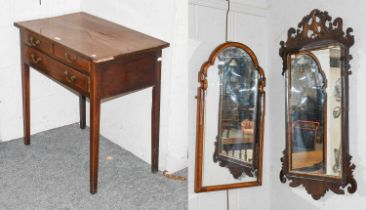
{"points": [[317, 31], [236, 170]]}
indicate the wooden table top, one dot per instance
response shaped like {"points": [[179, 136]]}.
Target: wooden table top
{"points": [[93, 37]]}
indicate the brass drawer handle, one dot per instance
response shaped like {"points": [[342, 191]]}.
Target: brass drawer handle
{"points": [[34, 42], [35, 59], [68, 58], [69, 78]]}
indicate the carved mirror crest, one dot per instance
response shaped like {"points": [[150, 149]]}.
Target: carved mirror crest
{"points": [[230, 118], [316, 67]]}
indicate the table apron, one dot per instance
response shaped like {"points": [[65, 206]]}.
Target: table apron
{"points": [[127, 76]]}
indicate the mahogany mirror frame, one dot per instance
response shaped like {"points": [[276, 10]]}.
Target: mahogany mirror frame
{"points": [[318, 31], [258, 148]]}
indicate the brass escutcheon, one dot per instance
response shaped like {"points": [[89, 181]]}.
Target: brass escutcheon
{"points": [[71, 78], [68, 58], [36, 59], [34, 42]]}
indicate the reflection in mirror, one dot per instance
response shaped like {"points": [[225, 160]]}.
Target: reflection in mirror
{"points": [[230, 119], [315, 91], [237, 105]]}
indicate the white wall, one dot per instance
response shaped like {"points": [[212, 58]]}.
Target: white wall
{"points": [[51, 105], [127, 120], [353, 14], [248, 24]]}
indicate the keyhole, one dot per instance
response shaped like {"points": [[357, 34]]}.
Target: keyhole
{"points": [[40, 2]]}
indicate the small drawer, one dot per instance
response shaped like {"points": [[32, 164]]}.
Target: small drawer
{"points": [[56, 70], [37, 42], [71, 58]]}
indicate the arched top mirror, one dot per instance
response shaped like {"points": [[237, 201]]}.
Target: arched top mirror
{"points": [[316, 67], [229, 119]]}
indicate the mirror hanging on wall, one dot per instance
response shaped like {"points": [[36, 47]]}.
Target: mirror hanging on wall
{"points": [[316, 67], [230, 114], [229, 119]]}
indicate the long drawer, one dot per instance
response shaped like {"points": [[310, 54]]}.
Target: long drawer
{"points": [[56, 70]]}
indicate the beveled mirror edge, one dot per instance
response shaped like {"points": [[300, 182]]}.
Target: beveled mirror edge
{"points": [[323, 31], [202, 79]]}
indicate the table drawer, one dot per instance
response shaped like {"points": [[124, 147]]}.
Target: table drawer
{"points": [[71, 58], [33, 40], [56, 70]]}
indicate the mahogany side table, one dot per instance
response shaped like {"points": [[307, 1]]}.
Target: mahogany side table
{"points": [[97, 59]]}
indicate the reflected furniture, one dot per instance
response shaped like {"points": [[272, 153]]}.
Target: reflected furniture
{"points": [[94, 58], [305, 127], [230, 119], [316, 68], [245, 142]]}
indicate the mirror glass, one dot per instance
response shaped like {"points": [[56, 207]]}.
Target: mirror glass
{"points": [[230, 118], [315, 112], [237, 105]]}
